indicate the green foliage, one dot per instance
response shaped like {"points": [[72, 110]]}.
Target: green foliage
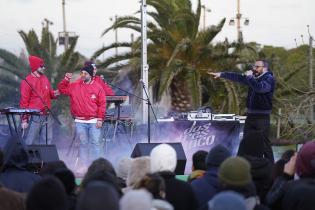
{"points": [[179, 56], [13, 69]]}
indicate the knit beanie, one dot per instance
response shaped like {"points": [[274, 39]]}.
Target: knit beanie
{"points": [[216, 156], [90, 63], [305, 162], [89, 69], [35, 62], [163, 158], [235, 171], [228, 200]]}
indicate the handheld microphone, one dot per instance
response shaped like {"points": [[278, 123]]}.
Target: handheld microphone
{"points": [[141, 81]]}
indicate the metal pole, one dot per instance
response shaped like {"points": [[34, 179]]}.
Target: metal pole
{"points": [[64, 24], [238, 20], [144, 64], [311, 76]]}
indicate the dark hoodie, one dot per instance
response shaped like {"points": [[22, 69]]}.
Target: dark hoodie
{"points": [[14, 174], [260, 90], [208, 185], [261, 169]]}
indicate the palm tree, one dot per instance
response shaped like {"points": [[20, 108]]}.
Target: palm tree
{"points": [[12, 70], [46, 48], [15, 69], [178, 54]]}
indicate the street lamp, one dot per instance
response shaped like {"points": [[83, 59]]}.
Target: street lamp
{"points": [[205, 9], [237, 19]]}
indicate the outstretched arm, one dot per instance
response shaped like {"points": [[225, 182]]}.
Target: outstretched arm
{"points": [[64, 85]]}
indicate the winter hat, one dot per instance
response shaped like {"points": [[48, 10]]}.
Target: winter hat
{"points": [[163, 158], [305, 162], [48, 194], [90, 63], [35, 62], [136, 200], [98, 196], [227, 200], [138, 169], [89, 69], [124, 167], [217, 155], [235, 171]]}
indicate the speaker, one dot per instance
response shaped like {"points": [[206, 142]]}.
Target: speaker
{"points": [[144, 149], [40, 154]]}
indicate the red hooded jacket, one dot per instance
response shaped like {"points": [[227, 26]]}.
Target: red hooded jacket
{"points": [[36, 91], [87, 101]]}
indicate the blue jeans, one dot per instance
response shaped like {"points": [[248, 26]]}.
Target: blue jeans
{"points": [[91, 142], [36, 131]]}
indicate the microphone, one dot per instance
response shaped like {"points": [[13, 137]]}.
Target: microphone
{"points": [[141, 81]]}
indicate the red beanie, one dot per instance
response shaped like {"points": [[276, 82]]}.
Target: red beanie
{"points": [[35, 62], [305, 162]]}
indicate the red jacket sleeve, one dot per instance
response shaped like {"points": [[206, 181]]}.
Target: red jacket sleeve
{"points": [[107, 89], [25, 94], [64, 87], [101, 105]]}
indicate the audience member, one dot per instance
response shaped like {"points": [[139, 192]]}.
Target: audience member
{"points": [[289, 194], [228, 200], [98, 196], [199, 165], [122, 170], [178, 193], [68, 180], [234, 174], [139, 167], [14, 175], [155, 184], [47, 194], [208, 185], [136, 200]]}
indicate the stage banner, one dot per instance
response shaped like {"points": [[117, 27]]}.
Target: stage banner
{"points": [[198, 135]]}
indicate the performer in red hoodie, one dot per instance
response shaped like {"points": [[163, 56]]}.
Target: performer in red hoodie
{"points": [[87, 104], [36, 93]]}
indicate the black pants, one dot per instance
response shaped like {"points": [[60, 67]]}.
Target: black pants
{"points": [[259, 123]]}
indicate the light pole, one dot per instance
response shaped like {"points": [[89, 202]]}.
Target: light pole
{"points": [[116, 34], [238, 18], [205, 9], [144, 64], [64, 25], [48, 22]]}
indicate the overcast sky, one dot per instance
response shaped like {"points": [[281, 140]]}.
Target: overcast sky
{"points": [[272, 22]]}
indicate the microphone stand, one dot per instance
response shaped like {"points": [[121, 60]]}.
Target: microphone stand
{"points": [[46, 106], [148, 102], [149, 107]]}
